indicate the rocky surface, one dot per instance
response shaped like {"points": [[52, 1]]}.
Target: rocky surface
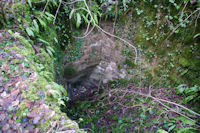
{"points": [[97, 65]]}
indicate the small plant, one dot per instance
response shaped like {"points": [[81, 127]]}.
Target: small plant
{"points": [[191, 93], [80, 14]]}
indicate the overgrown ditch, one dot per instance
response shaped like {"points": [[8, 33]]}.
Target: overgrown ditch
{"points": [[122, 104], [105, 90]]}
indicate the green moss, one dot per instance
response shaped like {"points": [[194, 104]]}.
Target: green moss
{"points": [[184, 62], [130, 63], [174, 79]]}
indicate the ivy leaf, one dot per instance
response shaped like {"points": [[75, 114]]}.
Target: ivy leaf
{"points": [[29, 31], [71, 13], [78, 21]]}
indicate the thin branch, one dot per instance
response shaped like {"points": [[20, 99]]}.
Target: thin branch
{"points": [[116, 4], [69, 3], [45, 7], [158, 99], [162, 100], [86, 34], [182, 12], [179, 25], [57, 11], [88, 26], [175, 111]]}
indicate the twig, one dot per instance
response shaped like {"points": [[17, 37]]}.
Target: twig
{"points": [[57, 11], [116, 4], [88, 26], [162, 100], [86, 34], [175, 111], [158, 99], [179, 25], [69, 3], [182, 12], [178, 105], [45, 7], [196, 21]]}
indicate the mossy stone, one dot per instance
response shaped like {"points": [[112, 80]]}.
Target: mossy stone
{"points": [[69, 71]]}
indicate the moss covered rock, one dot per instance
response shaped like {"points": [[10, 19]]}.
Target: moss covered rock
{"points": [[29, 96]]}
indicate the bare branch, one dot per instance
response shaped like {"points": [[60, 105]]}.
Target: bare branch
{"points": [[57, 12], [179, 25], [69, 3], [45, 7]]}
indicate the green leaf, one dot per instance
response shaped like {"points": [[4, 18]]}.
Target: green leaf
{"points": [[30, 3], [150, 111], [71, 13], [50, 51], [184, 120], [10, 32], [197, 35], [184, 72], [10, 108], [29, 31], [43, 41], [95, 18], [78, 21], [180, 89], [171, 127], [161, 131], [187, 130], [36, 25], [189, 98], [85, 19], [99, 14], [49, 15], [55, 93], [192, 90], [65, 92], [55, 39], [42, 22]]}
